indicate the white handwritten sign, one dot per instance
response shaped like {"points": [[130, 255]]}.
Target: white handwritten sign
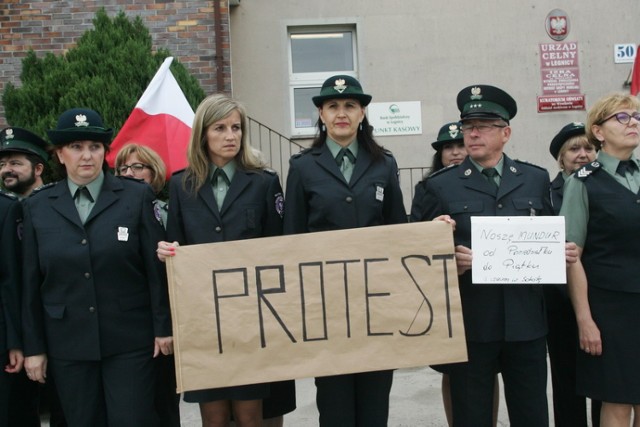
{"points": [[518, 250]]}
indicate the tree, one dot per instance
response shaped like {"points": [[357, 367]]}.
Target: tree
{"points": [[107, 71]]}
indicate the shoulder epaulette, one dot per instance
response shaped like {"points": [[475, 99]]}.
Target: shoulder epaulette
{"points": [[441, 171], [300, 153], [522, 162], [387, 152], [43, 187], [8, 195], [584, 172], [178, 171], [130, 178], [270, 171]]}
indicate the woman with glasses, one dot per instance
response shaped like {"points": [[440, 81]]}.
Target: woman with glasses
{"points": [[140, 162], [602, 213]]}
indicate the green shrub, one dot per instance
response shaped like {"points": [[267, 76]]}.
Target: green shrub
{"points": [[108, 70]]}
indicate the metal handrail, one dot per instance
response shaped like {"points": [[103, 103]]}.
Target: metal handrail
{"points": [[276, 149]]}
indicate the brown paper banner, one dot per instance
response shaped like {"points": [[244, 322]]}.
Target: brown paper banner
{"points": [[315, 304]]}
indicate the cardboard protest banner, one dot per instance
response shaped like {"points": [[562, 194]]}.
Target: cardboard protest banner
{"points": [[518, 250], [315, 304]]}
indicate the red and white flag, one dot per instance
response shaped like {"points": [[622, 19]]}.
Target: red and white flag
{"points": [[161, 120], [635, 76]]}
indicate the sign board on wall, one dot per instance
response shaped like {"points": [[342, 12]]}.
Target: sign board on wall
{"points": [[560, 75], [624, 53], [395, 118]]}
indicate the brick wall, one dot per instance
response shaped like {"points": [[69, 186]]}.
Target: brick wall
{"points": [[185, 28]]}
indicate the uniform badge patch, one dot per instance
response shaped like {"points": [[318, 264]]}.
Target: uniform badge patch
{"points": [[123, 234], [379, 193], [156, 212], [279, 202]]}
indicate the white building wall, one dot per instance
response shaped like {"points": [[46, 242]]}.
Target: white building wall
{"points": [[426, 50]]}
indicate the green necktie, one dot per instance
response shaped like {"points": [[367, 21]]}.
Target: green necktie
{"points": [[346, 160], [84, 202], [491, 174], [220, 183]]}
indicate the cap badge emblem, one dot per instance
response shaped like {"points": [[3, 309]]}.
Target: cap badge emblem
{"points": [[340, 85], [81, 120], [9, 134], [475, 93], [453, 131]]}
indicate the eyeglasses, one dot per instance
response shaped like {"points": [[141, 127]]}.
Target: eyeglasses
{"points": [[135, 168], [480, 128], [622, 118]]}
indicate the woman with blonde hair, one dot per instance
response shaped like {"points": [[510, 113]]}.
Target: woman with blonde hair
{"points": [[602, 216], [140, 162], [226, 193]]}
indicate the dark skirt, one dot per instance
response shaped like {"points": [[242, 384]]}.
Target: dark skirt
{"points": [[615, 375], [241, 392], [281, 400]]}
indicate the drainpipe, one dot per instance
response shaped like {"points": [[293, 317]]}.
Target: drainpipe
{"points": [[219, 56]]}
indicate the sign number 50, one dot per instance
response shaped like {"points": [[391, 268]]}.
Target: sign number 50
{"points": [[624, 53]]}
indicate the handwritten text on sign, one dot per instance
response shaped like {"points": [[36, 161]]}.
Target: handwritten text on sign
{"points": [[315, 304], [518, 250]]}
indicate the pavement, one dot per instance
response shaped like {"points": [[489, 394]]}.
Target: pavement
{"points": [[415, 401]]}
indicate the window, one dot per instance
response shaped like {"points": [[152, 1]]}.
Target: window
{"points": [[317, 53]]}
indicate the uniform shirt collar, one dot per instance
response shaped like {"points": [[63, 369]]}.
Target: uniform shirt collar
{"points": [[94, 186], [229, 169], [335, 148], [498, 167], [610, 163]]}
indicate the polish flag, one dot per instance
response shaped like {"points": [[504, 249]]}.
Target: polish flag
{"points": [[161, 120], [635, 77]]}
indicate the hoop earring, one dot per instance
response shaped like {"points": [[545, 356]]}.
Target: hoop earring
{"points": [[361, 126], [324, 128]]}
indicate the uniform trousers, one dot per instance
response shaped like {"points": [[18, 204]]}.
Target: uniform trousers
{"points": [[569, 409], [24, 401], [5, 385], [523, 367], [354, 400], [115, 391], [167, 401]]}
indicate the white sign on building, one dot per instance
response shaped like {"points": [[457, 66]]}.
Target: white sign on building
{"points": [[395, 118]]}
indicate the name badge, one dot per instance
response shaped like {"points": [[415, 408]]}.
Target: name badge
{"points": [[379, 193], [123, 234]]}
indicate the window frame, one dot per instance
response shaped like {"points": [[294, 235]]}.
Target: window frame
{"points": [[314, 79]]}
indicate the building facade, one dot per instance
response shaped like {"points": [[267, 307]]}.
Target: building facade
{"points": [[274, 54], [426, 51]]}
